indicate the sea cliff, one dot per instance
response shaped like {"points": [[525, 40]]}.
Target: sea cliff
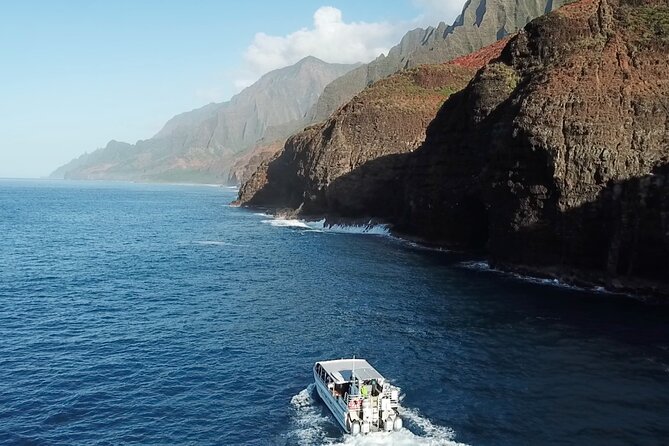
{"points": [[553, 160]]}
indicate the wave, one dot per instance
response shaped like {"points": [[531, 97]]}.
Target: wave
{"points": [[285, 223], [210, 242], [217, 243], [402, 438], [369, 228], [308, 421], [311, 426], [485, 266]]}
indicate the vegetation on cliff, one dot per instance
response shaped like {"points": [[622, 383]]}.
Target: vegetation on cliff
{"points": [[552, 160], [386, 119], [481, 23]]}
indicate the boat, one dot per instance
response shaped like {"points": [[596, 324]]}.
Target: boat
{"points": [[359, 397]]}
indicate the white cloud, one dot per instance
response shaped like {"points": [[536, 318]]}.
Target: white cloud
{"points": [[333, 40], [435, 11], [330, 38]]}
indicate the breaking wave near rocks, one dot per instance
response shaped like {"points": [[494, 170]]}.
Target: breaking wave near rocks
{"points": [[311, 424], [369, 228]]}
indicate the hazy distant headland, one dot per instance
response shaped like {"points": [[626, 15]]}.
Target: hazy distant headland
{"points": [[226, 142]]}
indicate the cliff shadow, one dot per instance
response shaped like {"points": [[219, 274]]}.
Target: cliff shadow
{"points": [[620, 239], [372, 190]]}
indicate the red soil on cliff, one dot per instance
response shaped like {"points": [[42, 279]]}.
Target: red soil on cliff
{"points": [[482, 57]]}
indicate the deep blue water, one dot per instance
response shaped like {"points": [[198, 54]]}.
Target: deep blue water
{"points": [[155, 314]]}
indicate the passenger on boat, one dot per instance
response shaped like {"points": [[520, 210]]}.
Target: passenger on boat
{"points": [[376, 388]]}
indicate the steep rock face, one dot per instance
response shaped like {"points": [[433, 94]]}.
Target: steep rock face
{"points": [[346, 165], [202, 144], [342, 89], [248, 162], [481, 23], [555, 157], [553, 160]]}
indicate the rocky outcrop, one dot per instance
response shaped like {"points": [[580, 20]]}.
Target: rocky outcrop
{"points": [[248, 162], [481, 23], [201, 145], [548, 158], [326, 168], [553, 160]]}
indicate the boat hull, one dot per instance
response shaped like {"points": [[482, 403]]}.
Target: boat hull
{"points": [[336, 409]]}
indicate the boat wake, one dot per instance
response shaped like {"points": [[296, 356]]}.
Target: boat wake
{"points": [[309, 422], [311, 425]]}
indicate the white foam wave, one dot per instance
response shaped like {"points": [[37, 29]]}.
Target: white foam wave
{"points": [[369, 228], [401, 438], [485, 266], [427, 428], [308, 421], [210, 242], [479, 266], [217, 243], [287, 223], [310, 424], [322, 226]]}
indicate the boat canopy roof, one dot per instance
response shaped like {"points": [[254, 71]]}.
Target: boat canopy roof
{"points": [[343, 370]]}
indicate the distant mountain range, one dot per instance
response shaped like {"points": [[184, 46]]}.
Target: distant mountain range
{"points": [[200, 145], [226, 142]]}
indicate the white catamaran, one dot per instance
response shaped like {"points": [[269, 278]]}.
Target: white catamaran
{"points": [[358, 396]]}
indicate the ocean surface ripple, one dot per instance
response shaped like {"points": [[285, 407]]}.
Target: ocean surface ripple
{"points": [[157, 314]]}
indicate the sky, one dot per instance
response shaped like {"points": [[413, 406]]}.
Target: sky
{"points": [[76, 74]]}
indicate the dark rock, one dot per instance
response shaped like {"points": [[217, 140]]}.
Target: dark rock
{"points": [[344, 164], [553, 160], [561, 150]]}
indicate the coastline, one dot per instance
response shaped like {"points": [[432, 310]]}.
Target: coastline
{"points": [[588, 281]]}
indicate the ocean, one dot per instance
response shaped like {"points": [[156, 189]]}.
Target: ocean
{"points": [[160, 315]]}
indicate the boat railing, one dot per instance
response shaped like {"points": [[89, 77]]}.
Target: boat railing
{"points": [[348, 398]]}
